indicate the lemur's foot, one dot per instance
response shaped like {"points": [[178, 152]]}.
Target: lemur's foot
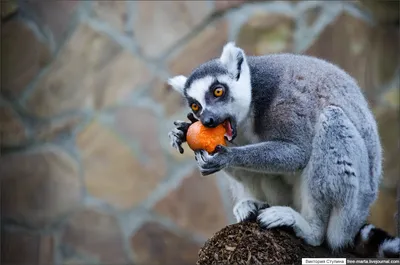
{"points": [[277, 216], [248, 210]]}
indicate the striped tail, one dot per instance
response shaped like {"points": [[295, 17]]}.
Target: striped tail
{"points": [[373, 242]]}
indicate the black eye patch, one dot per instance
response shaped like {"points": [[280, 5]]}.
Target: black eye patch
{"points": [[191, 101], [210, 98]]}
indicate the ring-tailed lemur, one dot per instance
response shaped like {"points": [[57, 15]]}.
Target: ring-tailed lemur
{"points": [[307, 153]]}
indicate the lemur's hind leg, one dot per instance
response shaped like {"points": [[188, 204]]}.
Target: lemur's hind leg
{"points": [[310, 224], [350, 189], [330, 181]]}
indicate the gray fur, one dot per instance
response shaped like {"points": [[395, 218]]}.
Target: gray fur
{"points": [[307, 144]]}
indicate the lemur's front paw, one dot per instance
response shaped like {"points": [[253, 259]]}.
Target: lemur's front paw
{"points": [[248, 210], [276, 216], [178, 135], [211, 163]]}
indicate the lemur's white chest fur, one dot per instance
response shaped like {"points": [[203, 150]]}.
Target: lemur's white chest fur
{"points": [[274, 189]]}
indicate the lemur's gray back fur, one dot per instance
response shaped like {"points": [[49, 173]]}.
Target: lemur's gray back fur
{"points": [[305, 86], [306, 138]]}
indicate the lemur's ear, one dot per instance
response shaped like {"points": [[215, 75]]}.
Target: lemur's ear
{"points": [[178, 83], [232, 57]]}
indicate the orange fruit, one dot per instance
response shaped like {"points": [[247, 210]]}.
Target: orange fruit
{"points": [[200, 137]]}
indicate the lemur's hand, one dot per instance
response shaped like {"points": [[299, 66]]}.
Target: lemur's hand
{"points": [[211, 163], [178, 135]]}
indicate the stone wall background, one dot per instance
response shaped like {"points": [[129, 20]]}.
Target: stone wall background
{"points": [[87, 175]]}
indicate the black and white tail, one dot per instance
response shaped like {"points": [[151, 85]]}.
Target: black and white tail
{"points": [[373, 242]]}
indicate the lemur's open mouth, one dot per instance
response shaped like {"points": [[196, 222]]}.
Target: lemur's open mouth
{"points": [[230, 131]]}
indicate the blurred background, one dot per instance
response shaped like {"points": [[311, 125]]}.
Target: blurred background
{"points": [[87, 173]]}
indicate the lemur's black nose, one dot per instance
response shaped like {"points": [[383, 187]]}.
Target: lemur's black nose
{"points": [[209, 122], [209, 119]]}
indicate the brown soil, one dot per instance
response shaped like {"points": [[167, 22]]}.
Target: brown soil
{"points": [[247, 243]]}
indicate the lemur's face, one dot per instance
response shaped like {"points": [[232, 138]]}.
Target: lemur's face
{"points": [[211, 100], [218, 91]]}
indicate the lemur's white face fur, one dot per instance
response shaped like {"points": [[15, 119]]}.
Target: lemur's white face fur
{"points": [[219, 91]]}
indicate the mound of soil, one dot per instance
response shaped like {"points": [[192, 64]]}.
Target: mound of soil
{"points": [[247, 243]]}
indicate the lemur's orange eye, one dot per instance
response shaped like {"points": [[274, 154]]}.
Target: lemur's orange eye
{"points": [[195, 107], [219, 91]]}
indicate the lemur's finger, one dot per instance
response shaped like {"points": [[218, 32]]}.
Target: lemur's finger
{"points": [[191, 117], [175, 141], [181, 125], [179, 122], [180, 149], [178, 146], [199, 158], [171, 137], [178, 133], [204, 155], [175, 135]]}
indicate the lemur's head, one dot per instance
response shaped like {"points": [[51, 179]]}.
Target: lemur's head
{"points": [[218, 91]]}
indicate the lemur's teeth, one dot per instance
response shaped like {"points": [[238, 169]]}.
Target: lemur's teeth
{"points": [[228, 137]]}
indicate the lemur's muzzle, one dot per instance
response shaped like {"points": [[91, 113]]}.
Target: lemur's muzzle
{"points": [[212, 120]]}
